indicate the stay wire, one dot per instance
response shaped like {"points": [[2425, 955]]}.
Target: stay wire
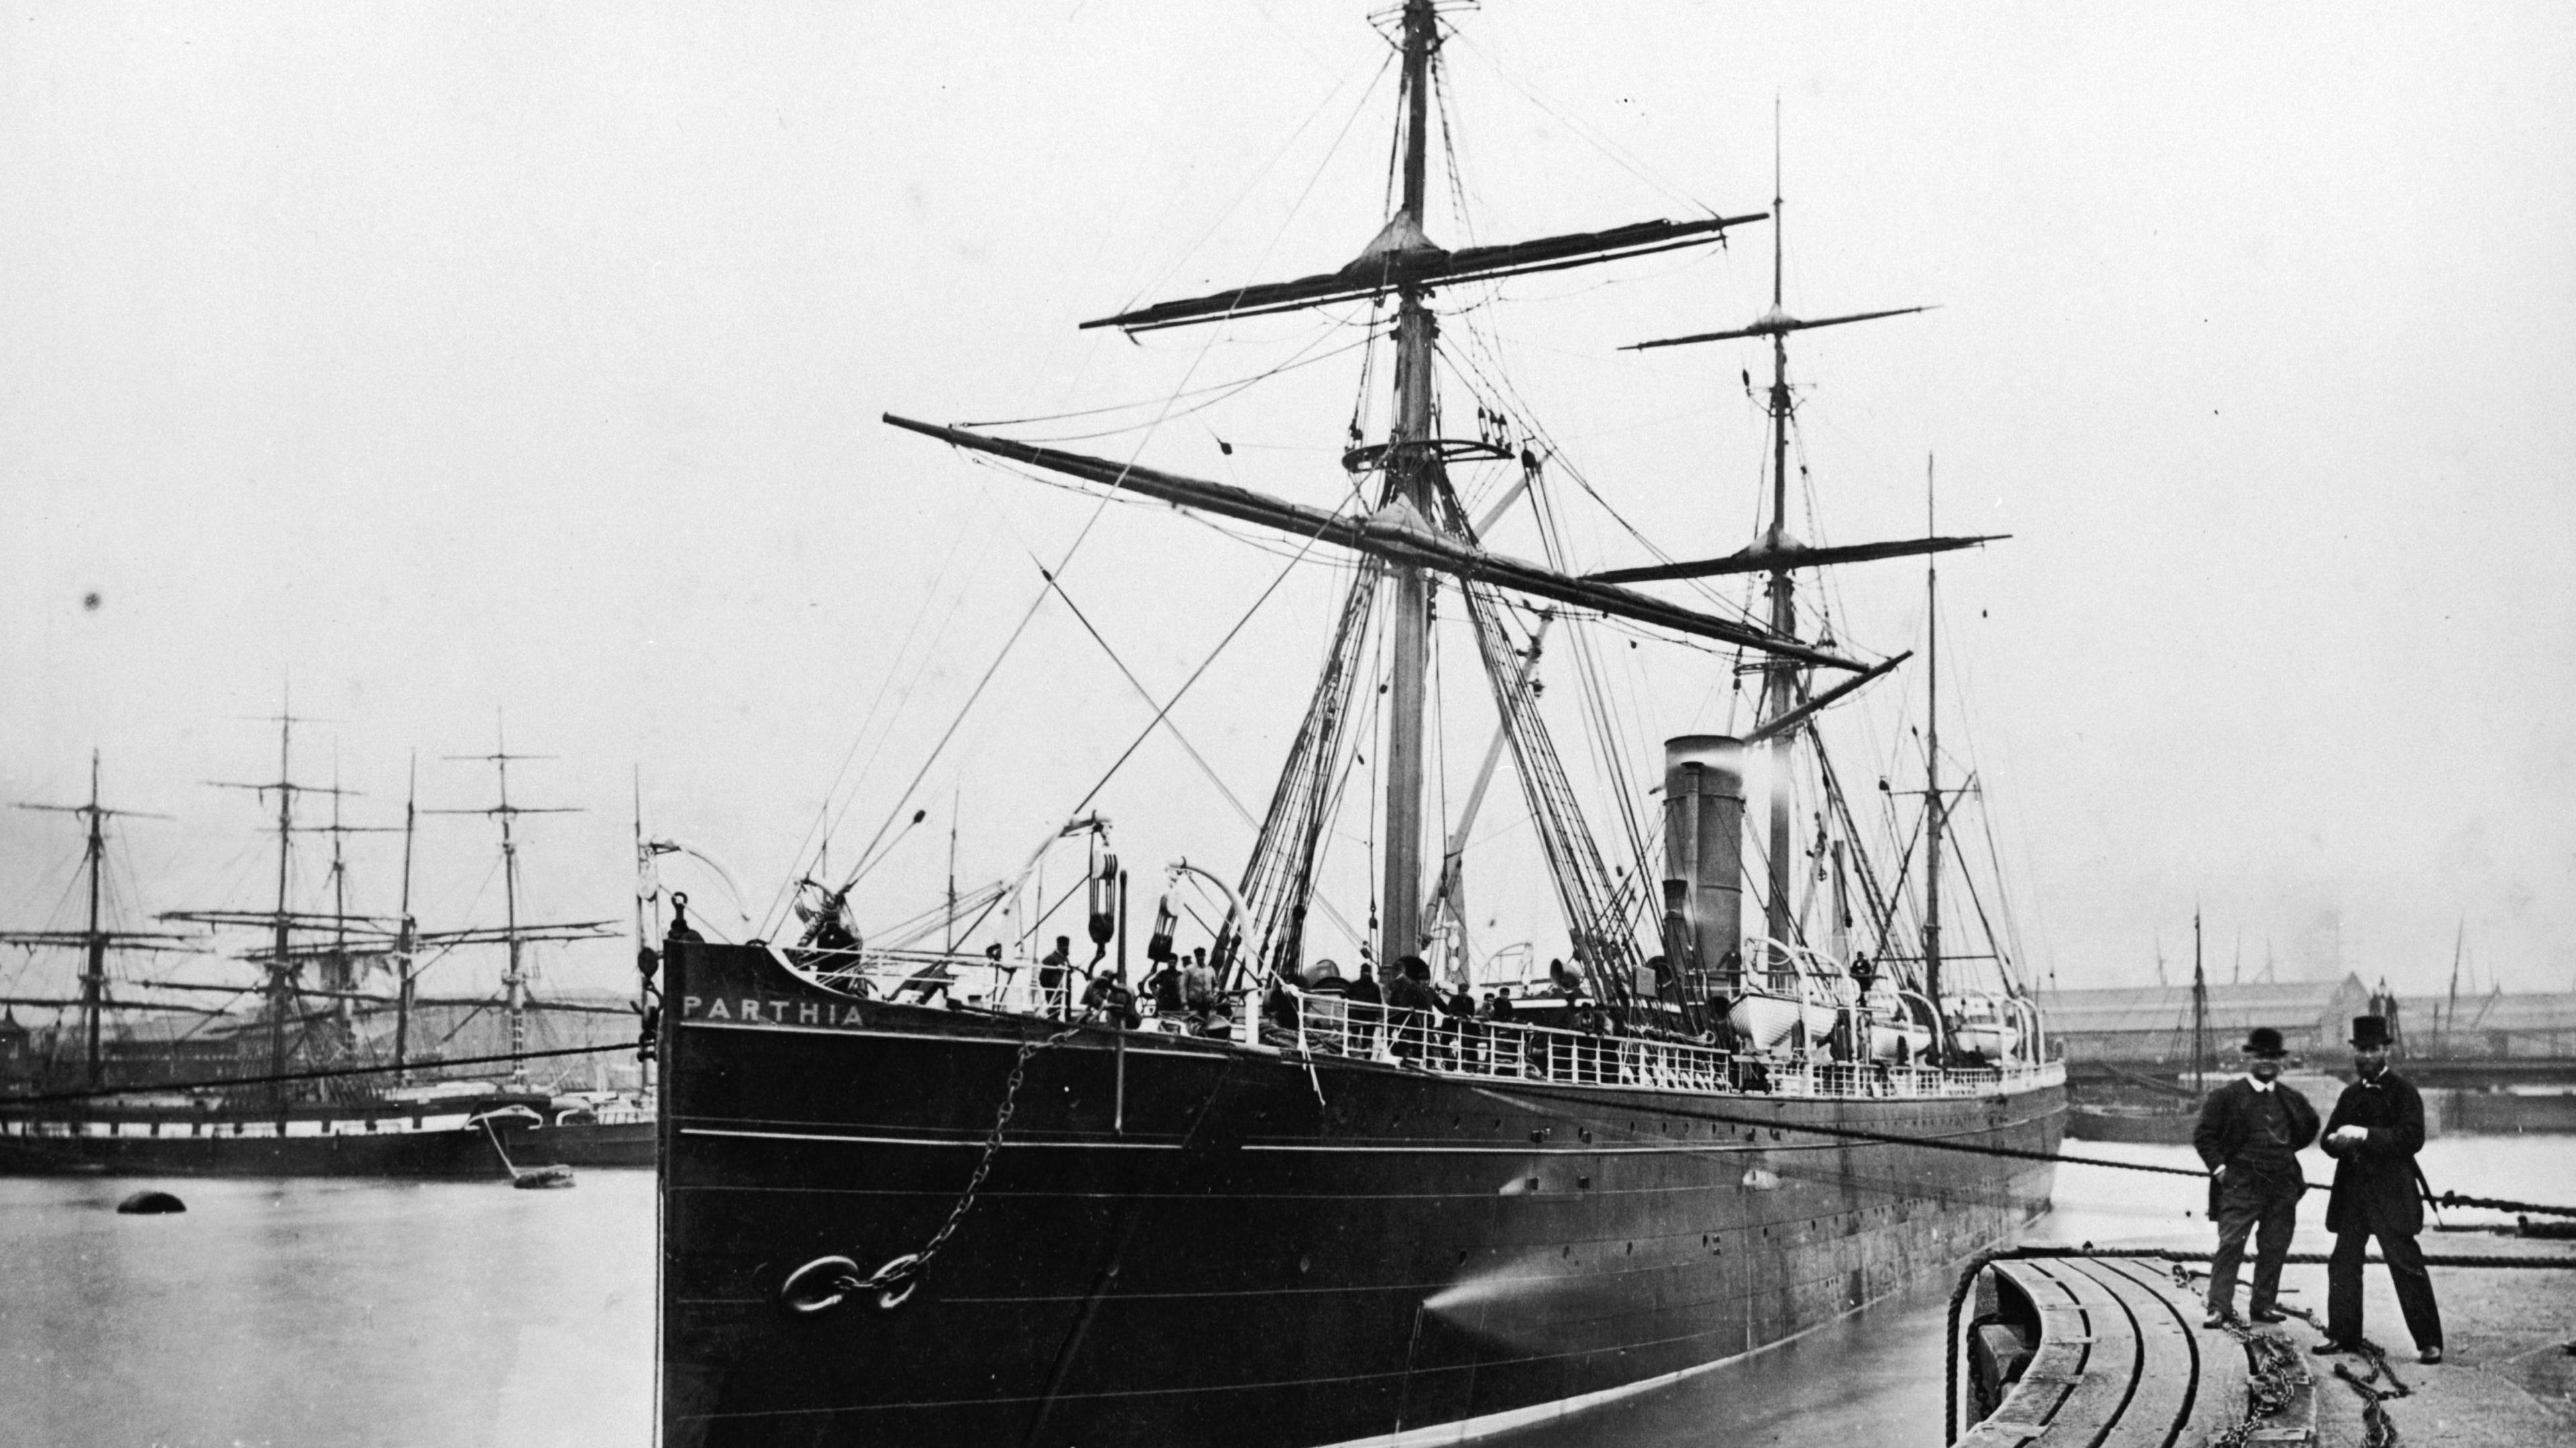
{"points": [[1162, 711]]}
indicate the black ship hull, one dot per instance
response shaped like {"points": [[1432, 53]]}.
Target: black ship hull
{"points": [[1187, 1240], [327, 1146], [309, 1146], [589, 1144], [2144, 1127]]}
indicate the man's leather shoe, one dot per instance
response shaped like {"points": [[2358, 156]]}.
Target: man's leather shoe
{"points": [[2429, 1355], [2268, 1314], [2329, 1348], [2218, 1317]]}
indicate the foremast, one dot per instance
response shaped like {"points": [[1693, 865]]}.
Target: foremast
{"points": [[1417, 531], [97, 940], [1410, 467]]}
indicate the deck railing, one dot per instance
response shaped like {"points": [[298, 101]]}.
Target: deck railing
{"points": [[1478, 1047], [1510, 1051]]}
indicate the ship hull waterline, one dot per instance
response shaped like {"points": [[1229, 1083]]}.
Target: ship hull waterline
{"points": [[1186, 1239], [338, 1145]]}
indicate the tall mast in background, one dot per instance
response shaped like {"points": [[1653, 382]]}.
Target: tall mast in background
{"points": [[406, 929], [2199, 1012], [514, 937], [95, 941], [282, 920]]}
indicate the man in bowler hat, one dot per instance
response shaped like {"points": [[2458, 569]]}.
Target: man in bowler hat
{"points": [[2250, 1134], [2376, 1129]]}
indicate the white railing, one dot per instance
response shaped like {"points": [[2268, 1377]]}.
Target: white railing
{"points": [[1476, 1047], [1328, 1025]]}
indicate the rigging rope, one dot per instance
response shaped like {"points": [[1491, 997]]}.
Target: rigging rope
{"points": [[218, 1083]]}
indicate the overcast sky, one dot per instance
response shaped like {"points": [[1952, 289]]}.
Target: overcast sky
{"points": [[461, 367]]}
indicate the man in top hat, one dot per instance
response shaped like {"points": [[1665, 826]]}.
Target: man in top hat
{"points": [[2376, 1129], [2250, 1134]]}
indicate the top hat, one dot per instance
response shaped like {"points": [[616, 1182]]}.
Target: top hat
{"points": [[2264, 1041], [2369, 1032]]}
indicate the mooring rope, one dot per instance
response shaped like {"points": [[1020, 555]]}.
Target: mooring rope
{"points": [[2309, 1259], [1854, 1133]]}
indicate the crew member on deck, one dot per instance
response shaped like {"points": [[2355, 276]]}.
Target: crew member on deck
{"points": [[2250, 1134], [1198, 987], [1109, 1001], [1412, 1008], [1051, 978], [1366, 1001], [2376, 1129]]}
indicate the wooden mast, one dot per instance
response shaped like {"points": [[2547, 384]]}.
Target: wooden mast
{"points": [[2199, 1013], [94, 971], [405, 930], [1410, 464], [280, 993], [1932, 765], [514, 979], [513, 937], [95, 941], [1780, 676]]}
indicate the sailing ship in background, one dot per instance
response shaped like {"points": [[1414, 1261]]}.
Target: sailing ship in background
{"points": [[2146, 1107], [137, 1098], [1285, 1215]]}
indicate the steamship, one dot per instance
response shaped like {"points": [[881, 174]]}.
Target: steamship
{"points": [[910, 1196]]}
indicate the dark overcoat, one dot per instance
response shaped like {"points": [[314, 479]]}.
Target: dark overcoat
{"points": [[2374, 1180], [2230, 1116]]}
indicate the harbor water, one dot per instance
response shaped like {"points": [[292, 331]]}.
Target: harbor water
{"points": [[437, 1313]]}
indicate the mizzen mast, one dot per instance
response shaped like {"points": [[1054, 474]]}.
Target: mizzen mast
{"points": [[514, 936]]}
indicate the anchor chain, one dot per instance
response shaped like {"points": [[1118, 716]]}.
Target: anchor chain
{"points": [[825, 1282], [2272, 1381]]}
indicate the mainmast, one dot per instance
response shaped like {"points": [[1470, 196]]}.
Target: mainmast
{"points": [[1778, 554], [1410, 467], [1780, 676], [281, 959]]}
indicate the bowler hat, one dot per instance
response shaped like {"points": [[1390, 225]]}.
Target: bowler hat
{"points": [[2264, 1041], [2369, 1032]]}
